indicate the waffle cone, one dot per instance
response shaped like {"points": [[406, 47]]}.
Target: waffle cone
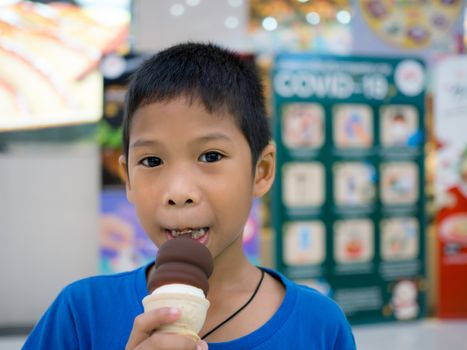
{"points": [[193, 311]]}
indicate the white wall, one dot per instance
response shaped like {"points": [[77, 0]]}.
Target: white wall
{"points": [[49, 205], [221, 21]]}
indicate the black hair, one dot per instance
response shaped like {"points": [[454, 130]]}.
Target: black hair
{"points": [[220, 79]]}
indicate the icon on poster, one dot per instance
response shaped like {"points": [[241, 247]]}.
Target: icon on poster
{"points": [[399, 183], [303, 125], [303, 184], [353, 240], [399, 126], [399, 239], [354, 184], [304, 243], [409, 75], [353, 126], [404, 300]]}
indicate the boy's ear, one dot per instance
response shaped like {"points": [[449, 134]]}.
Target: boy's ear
{"points": [[123, 171], [265, 170]]}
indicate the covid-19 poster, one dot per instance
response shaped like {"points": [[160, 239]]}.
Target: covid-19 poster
{"points": [[348, 209]]}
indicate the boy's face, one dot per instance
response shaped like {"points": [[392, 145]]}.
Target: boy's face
{"points": [[190, 171]]}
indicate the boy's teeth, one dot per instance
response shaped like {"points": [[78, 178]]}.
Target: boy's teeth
{"points": [[195, 233]]}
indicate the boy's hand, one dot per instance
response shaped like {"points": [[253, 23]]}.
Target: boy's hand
{"points": [[145, 334]]}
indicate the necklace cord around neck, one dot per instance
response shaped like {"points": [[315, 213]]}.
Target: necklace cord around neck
{"points": [[239, 310]]}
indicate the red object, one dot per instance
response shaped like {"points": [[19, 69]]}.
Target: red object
{"points": [[452, 248]]}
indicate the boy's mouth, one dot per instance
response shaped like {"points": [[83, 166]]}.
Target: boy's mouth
{"points": [[195, 233]]}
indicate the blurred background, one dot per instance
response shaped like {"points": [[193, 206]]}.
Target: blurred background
{"points": [[367, 100]]}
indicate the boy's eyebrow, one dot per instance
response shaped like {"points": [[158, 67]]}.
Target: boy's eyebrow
{"points": [[204, 138], [213, 137], [144, 143]]}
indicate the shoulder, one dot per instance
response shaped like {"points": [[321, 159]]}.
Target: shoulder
{"points": [[312, 312], [306, 296], [96, 292], [311, 297], [100, 281], [83, 309], [101, 284]]}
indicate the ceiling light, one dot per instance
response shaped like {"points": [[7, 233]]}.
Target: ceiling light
{"points": [[231, 22], [313, 18], [177, 10], [235, 3], [269, 23], [192, 2], [343, 17]]}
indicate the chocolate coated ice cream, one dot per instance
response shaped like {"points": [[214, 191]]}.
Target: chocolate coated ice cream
{"points": [[182, 260]]}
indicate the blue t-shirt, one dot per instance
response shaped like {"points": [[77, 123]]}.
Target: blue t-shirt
{"points": [[98, 313]]}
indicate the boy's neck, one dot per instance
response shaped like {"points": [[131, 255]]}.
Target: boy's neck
{"points": [[236, 282], [232, 270]]}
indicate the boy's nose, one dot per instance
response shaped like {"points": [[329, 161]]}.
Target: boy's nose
{"points": [[181, 192], [180, 201]]}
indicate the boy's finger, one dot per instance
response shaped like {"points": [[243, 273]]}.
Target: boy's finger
{"points": [[146, 323], [170, 341], [201, 345]]}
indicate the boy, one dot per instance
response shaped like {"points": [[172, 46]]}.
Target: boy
{"points": [[196, 151]]}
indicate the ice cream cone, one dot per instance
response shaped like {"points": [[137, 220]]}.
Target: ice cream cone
{"points": [[180, 279], [193, 311]]}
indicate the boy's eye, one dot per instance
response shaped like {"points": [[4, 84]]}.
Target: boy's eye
{"points": [[211, 157], [151, 162]]}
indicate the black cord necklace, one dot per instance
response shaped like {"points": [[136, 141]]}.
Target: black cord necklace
{"points": [[239, 310]]}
